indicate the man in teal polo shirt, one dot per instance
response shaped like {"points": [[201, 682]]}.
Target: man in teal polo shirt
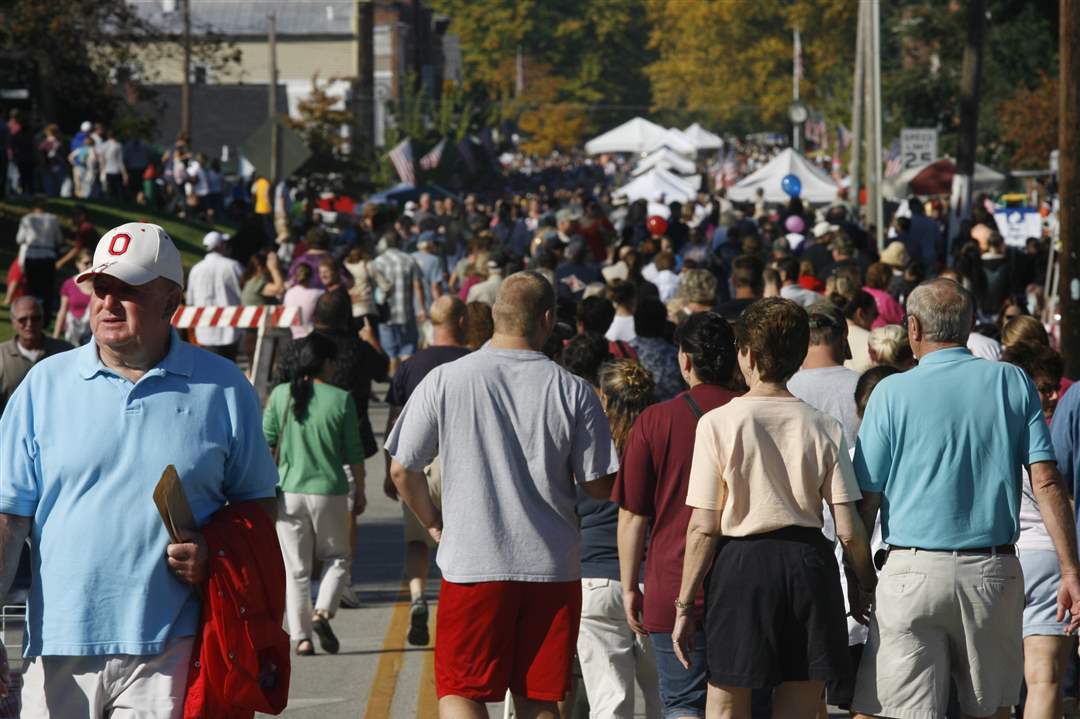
{"points": [[940, 452], [85, 438]]}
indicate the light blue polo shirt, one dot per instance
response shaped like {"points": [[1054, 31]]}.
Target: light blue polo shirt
{"points": [[944, 444], [81, 449]]}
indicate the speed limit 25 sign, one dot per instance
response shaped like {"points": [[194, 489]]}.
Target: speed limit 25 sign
{"points": [[918, 146]]}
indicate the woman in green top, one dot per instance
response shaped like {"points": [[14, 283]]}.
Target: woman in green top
{"points": [[314, 427]]}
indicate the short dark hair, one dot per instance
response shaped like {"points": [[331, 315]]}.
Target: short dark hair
{"points": [[650, 318], [789, 268], [333, 311], [707, 339], [868, 380], [584, 355], [1035, 359], [595, 314], [624, 293], [777, 332]]}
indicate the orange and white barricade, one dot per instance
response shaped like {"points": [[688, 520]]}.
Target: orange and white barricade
{"points": [[257, 317]]}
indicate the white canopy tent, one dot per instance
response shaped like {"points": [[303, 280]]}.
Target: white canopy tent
{"points": [[674, 140], [702, 138], [817, 187], [666, 159], [661, 185], [637, 135]]}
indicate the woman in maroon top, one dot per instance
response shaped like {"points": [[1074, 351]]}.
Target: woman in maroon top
{"points": [[650, 490]]}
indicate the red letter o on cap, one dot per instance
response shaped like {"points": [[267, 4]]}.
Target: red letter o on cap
{"points": [[113, 249]]}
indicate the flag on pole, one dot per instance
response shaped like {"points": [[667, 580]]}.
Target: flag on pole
{"points": [[402, 159], [730, 169], [894, 163], [431, 160]]}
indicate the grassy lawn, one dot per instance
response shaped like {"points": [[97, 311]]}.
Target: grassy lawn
{"points": [[187, 234]]}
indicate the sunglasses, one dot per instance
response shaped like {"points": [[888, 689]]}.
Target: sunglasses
{"points": [[28, 319]]}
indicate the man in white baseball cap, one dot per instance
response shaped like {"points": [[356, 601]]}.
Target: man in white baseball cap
{"points": [[111, 614], [215, 281]]}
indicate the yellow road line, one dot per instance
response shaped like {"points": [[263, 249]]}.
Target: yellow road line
{"points": [[427, 703], [390, 661]]}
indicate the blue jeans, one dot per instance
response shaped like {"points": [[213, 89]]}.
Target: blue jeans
{"points": [[398, 341], [682, 691]]}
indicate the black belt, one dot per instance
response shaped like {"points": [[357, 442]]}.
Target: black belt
{"points": [[999, 549]]}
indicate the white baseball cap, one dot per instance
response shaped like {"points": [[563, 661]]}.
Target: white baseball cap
{"points": [[214, 239], [136, 253], [86, 126]]}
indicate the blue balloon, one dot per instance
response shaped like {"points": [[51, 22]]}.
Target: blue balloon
{"points": [[792, 185]]}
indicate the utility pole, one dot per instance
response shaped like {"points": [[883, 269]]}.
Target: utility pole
{"points": [[970, 76], [185, 82], [796, 74], [1069, 185], [869, 127], [857, 108], [275, 128], [879, 210], [364, 97]]}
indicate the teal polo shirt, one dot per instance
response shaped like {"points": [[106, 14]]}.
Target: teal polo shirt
{"points": [[81, 449], [944, 444]]}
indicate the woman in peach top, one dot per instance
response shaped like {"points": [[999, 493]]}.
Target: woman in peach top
{"points": [[763, 463]]}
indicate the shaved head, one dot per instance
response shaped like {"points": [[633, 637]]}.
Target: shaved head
{"points": [[447, 310], [520, 305]]}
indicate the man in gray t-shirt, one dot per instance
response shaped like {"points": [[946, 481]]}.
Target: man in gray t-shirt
{"points": [[513, 432], [823, 382]]}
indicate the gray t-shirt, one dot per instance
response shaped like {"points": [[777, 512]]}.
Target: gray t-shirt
{"points": [[513, 430], [830, 390]]}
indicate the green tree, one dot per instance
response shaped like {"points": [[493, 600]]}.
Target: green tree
{"points": [[69, 53]]}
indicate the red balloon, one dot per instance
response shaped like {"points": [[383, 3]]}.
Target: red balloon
{"points": [[656, 225]]}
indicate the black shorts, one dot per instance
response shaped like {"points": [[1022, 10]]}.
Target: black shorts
{"points": [[774, 612]]}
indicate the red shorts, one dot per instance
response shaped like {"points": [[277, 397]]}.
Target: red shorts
{"points": [[494, 636]]}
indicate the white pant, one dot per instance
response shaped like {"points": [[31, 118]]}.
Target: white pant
{"points": [[120, 686], [611, 655], [307, 521]]}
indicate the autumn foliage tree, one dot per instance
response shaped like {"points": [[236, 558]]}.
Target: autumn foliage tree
{"points": [[1029, 122]]}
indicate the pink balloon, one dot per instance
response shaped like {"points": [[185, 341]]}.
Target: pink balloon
{"points": [[794, 223]]}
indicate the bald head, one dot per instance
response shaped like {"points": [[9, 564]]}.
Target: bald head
{"points": [[28, 303], [944, 309], [448, 320], [520, 305]]}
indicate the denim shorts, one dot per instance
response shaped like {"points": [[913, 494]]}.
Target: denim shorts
{"points": [[682, 691], [398, 341]]}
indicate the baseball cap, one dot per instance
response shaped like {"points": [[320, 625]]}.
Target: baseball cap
{"points": [[564, 215], [214, 239], [895, 255], [841, 243], [411, 206], [617, 271], [136, 253], [86, 126], [823, 228]]}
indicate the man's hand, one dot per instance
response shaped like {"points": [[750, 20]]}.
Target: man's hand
{"points": [[359, 503], [367, 333], [436, 534], [682, 636], [421, 317], [272, 261], [389, 489], [189, 559], [632, 601], [1069, 602]]}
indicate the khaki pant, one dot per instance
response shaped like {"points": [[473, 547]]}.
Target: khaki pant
{"points": [[319, 522], [942, 617], [119, 686], [414, 530]]}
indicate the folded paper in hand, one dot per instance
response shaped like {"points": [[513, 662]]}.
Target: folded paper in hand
{"points": [[173, 505]]}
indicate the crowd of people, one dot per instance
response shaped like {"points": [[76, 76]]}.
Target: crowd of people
{"points": [[739, 459]]}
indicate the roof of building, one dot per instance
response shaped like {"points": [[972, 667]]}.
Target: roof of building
{"points": [[249, 17]]}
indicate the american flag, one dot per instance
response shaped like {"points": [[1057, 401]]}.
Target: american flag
{"points": [[843, 139], [894, 163], [431, 160], [729, 171], [402, 158], [817, 132]]}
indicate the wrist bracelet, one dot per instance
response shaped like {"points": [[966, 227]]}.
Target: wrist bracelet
{"points": [[683, 605]]}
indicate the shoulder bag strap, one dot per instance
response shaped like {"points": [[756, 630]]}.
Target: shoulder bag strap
{"points": [[694, 407]]}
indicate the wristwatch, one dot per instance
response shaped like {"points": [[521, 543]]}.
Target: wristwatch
{"points": [[683, 605]]}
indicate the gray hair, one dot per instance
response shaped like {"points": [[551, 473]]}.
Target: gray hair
{"points": [[945, 310]]}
